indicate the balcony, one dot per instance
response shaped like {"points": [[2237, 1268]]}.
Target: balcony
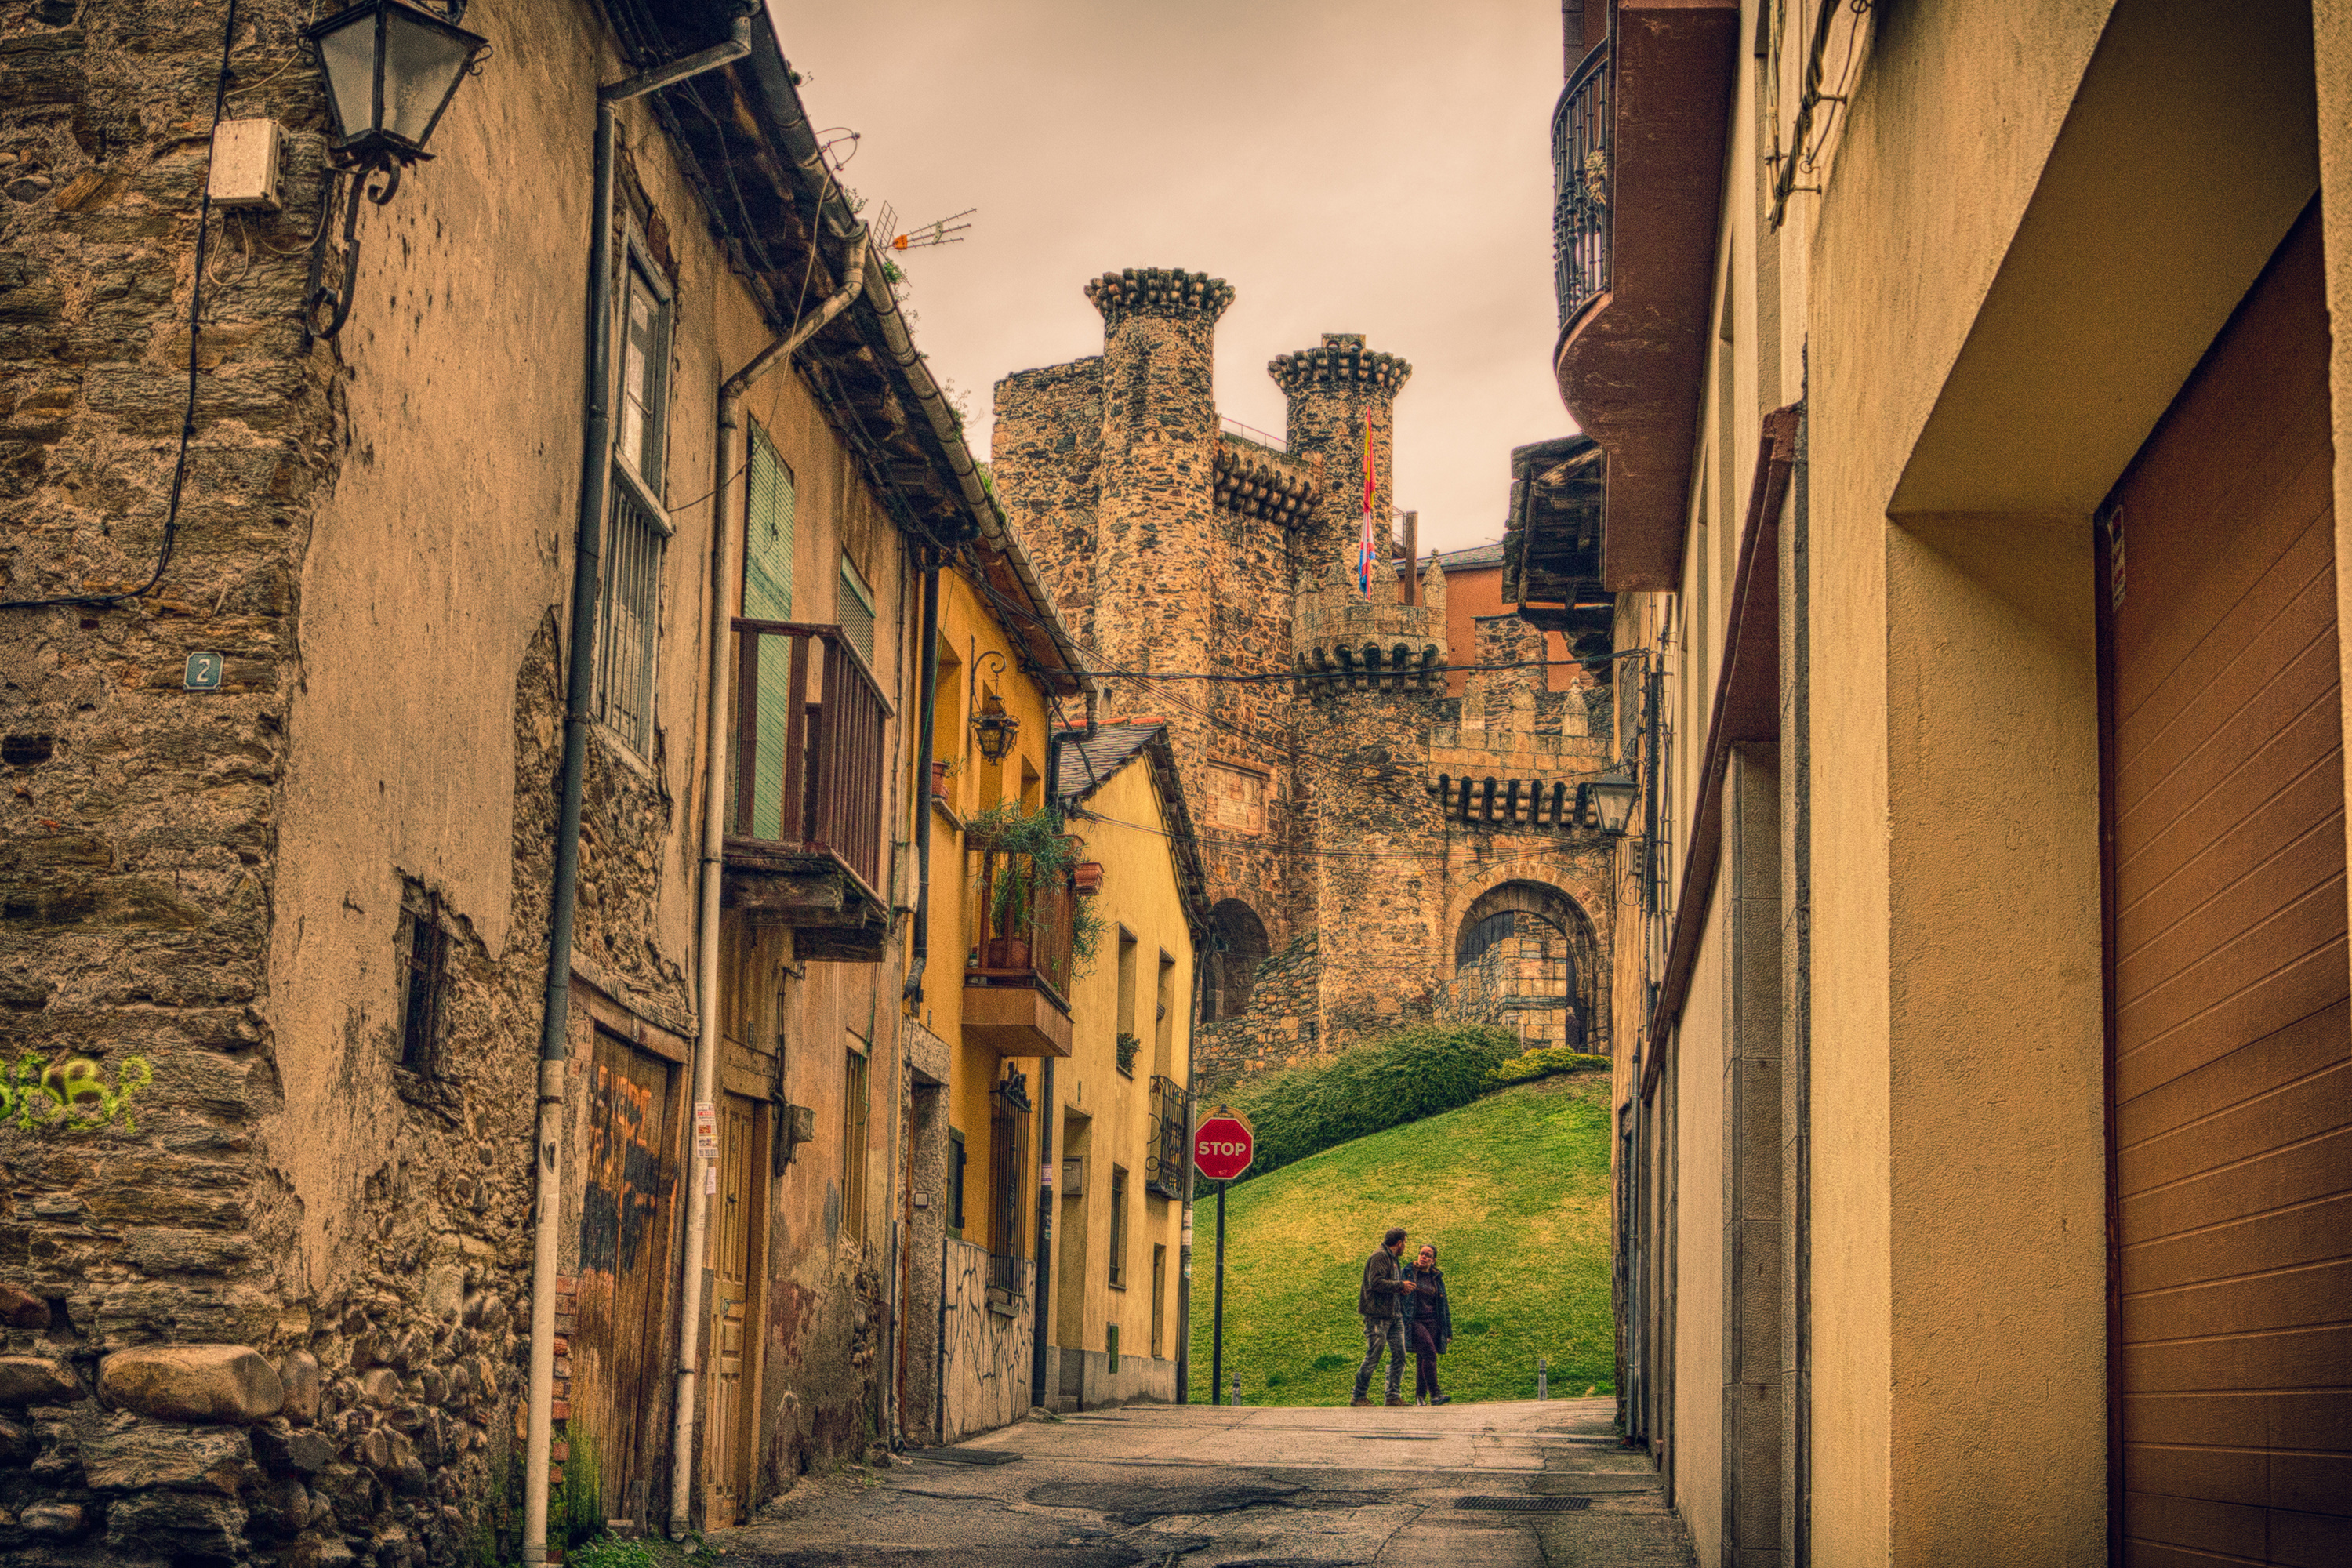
{"points": [[1017, 975], [1163, 1161], [805, 845], [1638, 146], [1580, 187]]}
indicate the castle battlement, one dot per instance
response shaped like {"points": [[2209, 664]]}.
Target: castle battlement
{"points": [[1158, 292], [1341, 361], [1258, 482], [1343, 641]]}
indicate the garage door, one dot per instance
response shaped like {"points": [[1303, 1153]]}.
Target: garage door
{"points": [[2231, 1086]]}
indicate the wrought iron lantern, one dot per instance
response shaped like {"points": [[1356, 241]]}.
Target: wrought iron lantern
{"points": [[995, 729], [1606, 802], [991, 726], [392, 68]]}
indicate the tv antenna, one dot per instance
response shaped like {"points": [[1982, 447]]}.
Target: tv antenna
{"points": [[945, 231]]}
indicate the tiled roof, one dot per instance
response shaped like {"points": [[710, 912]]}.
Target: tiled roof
{"points": [[1489, 555], [1088, 762]]}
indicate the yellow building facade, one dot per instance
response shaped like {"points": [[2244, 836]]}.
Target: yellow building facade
{"points": [[1118, 1241]]}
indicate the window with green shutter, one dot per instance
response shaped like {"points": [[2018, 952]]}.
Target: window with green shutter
{"points": [[768, 596], [857, 611]]}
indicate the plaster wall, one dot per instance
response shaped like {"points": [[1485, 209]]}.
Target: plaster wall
{"points": [[2332, 51], [1140, 895], [1695, 1458]]}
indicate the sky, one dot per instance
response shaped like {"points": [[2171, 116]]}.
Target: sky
{"points": [[1374, 167]]}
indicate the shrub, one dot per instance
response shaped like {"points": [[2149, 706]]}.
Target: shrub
{"points": [[1385, 1082], [1544, 1063]]}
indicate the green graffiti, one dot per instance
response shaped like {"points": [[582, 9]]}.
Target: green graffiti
{"points": [[72, 1095]]}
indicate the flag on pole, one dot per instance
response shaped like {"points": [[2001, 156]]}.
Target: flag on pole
{"points": [[1364, 542]]}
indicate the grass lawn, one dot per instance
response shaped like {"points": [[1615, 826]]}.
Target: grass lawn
{"points": [[1513, 1188]]}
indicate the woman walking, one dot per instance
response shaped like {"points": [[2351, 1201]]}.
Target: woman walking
{"points": [[1429, 1322]]}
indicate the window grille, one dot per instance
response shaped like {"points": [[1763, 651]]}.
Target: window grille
{"points": [[1118, 1225], [628, 620], [857, 1107]]}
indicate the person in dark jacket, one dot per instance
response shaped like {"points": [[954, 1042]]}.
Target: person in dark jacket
{"points": [[1376, 1304], [1429, 1322]]}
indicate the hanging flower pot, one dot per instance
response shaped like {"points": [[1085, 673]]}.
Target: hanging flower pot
{"points": [[1086, 876]]}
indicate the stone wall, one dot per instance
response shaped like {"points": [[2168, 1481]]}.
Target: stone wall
{"points": [[985, 1374], [1281, 1028]]}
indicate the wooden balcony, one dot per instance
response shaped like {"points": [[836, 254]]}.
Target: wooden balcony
{"points": [[1017, 973], [805, 845]]}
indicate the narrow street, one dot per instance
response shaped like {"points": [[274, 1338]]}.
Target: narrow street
{"points": [[1523, 1485]]}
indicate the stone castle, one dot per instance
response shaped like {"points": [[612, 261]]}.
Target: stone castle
{"points": [[1377, 851]]}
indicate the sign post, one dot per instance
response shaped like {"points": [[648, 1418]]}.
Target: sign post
{"points": [[1221, 1149]]}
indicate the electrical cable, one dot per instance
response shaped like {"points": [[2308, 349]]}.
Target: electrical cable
{"points": [[188, 413]]}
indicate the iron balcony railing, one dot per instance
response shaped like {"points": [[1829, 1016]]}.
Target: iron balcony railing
{"points": [[1018, 921], [1580, 175], [808, 763], [1163, 1163]]}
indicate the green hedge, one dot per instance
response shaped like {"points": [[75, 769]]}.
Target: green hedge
{"points": [[1385, 1082], [1546, 1063]]}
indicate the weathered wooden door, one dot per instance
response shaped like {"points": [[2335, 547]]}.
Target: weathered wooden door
{"points": [[737, 1235], [2232, 1065], [626, 1262]]}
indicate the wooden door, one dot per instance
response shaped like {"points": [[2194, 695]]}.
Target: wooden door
{"points": [[2231, 1077], [627, 1216], [737, 1235]]}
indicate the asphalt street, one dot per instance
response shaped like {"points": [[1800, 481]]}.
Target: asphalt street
{"points": [[1524, 1485]]}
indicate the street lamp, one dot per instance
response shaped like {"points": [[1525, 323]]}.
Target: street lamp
{"points": [[1607, 801], [392, 68], [995, 729]]}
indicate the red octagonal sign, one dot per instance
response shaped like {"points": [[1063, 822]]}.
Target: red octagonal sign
{"points": [[1223, 1147]]}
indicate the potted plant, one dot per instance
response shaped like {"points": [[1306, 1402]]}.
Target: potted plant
{"points": [[939, 776], [1025, 851], [1086, 876], [1128, 1048]]}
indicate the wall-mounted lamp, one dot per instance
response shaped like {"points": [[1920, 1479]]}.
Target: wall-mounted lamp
{"points": [[1606, 802], [392, 67], [991, 726]]}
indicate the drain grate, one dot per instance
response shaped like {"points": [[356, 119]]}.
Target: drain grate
{"points": [[1524, 1504], [970, 1456]]}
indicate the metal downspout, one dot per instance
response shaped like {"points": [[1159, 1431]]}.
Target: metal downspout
{"points": [[926, 710], [726, 592], [1185, 1236]]}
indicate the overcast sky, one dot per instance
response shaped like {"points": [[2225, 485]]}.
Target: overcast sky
{"points": [[1375, 166]]}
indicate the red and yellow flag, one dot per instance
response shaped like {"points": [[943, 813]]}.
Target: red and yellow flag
{"points": [[1364, 550]]}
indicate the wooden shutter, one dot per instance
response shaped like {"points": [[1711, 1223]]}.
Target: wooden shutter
{"points": [[768, 596]]}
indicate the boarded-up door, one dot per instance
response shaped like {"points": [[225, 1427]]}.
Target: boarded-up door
{"points": [[736, 1228], [2232, 1089], [626, 1262]]}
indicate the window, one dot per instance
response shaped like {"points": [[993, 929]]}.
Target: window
{"points": [[856, 610], [1128, 1040], [955, 1183], [854, 1109], [1163, 1028], [425, 957], [1159, 1299], [1236, 799], [1110, 1343], [637, 526], [1008, 1165], [1119, 1228], [768, 534]]}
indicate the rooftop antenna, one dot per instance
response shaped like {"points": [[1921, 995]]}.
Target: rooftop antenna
{"points": [[945, 231]]}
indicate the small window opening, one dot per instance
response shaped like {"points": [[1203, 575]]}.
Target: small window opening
{"points": [[425, 962]]}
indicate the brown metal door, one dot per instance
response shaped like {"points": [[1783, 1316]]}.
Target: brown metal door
{"points": [[735, 1237], [626, 1262], [2232, 1106]]}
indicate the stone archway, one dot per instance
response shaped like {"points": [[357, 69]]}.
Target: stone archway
{"points": [[1237, 945], [1527, 955]]}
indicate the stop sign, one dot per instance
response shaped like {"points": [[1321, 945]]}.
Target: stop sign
{"points": [[1223, 1147]]}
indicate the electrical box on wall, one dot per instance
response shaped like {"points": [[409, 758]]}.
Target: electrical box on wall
{"points": [[247, 163], [1074, 1177], [795, 1125]]}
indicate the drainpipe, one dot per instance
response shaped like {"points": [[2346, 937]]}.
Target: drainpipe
{"points": [[580, 671], [1042, 1295], [926, 705], [726, 592], [1184, 1236]]}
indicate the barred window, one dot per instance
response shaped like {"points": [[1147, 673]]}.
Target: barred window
{"points": [[629, 619]]}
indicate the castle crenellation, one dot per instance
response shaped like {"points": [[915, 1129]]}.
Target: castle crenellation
{"points": [[1377, 850]]}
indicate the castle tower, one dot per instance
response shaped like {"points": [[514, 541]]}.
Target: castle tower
{"points": [[1154, 555], [1333, 390]]}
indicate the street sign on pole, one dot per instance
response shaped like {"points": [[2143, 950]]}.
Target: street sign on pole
{"points": [[1224, 1147]]}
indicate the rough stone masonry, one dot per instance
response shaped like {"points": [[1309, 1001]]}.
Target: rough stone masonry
{"points": [[1361, 830]]}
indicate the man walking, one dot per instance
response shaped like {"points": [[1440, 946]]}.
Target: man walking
{"points": [[1383, 1328]]}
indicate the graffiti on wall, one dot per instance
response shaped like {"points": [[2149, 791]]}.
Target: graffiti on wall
{"points": [[986, 1374]]}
